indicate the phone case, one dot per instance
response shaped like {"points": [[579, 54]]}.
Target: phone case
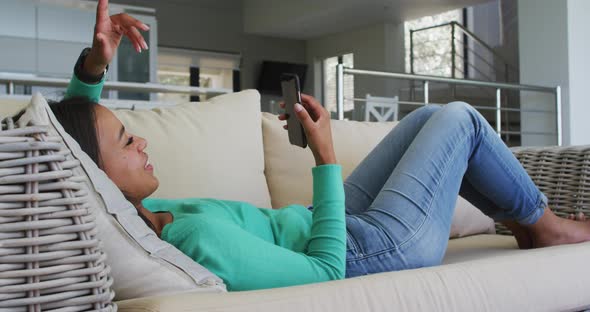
{"points": [[291, 95]]}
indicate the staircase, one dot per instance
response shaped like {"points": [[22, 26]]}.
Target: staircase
{"points": [[463, 55]]}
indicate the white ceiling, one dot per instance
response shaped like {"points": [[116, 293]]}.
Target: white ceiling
{"points": [[305, 19]]}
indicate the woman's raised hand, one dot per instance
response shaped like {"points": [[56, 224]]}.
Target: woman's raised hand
{"points": [[108, 32], [316, 124]]}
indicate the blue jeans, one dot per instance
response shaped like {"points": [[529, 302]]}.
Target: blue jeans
{"points": [[401, 198]]}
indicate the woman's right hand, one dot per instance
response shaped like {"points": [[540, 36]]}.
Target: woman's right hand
{"points": [[316, 124], [108, 32]]}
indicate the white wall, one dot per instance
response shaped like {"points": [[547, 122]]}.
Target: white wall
{"points": [[543, 47], [205, 25], [579, 70], [375, 47], [554, 50]]}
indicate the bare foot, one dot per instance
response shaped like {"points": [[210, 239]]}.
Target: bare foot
{"points": [[552, 230], [523, 236], [580, 216]]}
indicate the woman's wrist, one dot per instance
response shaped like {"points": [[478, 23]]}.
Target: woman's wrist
{"points": [[92, 66], [325, 159]]}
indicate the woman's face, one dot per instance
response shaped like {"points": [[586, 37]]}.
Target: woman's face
{"points": [[123, 158]]}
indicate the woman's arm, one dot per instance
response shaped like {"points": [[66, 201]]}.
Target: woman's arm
{"points": [[89, 71], [245, 261]]}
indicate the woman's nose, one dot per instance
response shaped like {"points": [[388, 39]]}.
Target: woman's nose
{"points": [[142, 144]]}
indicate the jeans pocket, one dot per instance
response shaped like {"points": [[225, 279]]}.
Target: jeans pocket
{"points": [[351, 244]]}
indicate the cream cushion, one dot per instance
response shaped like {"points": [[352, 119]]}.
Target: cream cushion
{"points": [[288, 167], [142, 264], [482, 273], [205, 149], [10, 105]]}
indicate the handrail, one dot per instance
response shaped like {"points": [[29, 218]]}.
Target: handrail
{"points": [[481, 83], [469, 34], [508, 69], [474, 37], [425, 79], [11, 79]]}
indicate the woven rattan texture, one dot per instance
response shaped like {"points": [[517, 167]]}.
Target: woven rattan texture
{"points": [[561, 173], [50, 257]]}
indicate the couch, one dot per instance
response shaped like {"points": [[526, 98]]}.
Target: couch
{"points": [[482, 271]]}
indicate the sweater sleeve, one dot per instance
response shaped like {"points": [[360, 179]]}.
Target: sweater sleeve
{"points": [[245, 261], [79, 88]]}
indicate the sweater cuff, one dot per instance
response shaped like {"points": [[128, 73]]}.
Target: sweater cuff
{"points": [[327, 182], [79, 88]]}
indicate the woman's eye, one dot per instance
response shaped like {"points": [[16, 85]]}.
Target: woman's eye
{"points": [[130, 140]]}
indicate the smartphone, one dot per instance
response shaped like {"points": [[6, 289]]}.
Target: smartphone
{"points": [[292, 95]]}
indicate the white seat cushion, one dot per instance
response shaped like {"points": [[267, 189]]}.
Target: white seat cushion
{"points": [[507, 279]]}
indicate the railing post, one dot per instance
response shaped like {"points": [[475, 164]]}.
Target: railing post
{"points": [[558, 113], [340, 91], [498, 112], [453, 56], [412, 90], [412, 51], [10, 88], [426, 100]]}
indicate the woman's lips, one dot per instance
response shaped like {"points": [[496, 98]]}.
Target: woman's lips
{"points": [[148, 166]]}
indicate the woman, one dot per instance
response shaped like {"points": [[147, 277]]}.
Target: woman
{"points": [[393, 212]]}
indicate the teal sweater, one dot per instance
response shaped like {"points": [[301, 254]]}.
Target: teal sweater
{"points": [[251, 247]]}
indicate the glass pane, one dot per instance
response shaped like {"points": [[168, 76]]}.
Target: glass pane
{"points": [[174, 75], [432, 47], [133, 67]]}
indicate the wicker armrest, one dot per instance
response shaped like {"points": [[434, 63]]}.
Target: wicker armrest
{"points": [[562, 173]]}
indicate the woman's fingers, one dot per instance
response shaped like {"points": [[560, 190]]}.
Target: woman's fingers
{"points": [[138, 38], [102, 10], [312, 105], [283, 116], [129, 27], [285, 127]]}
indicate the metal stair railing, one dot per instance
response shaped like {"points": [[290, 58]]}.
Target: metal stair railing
{"points": [[498, 64], [499, 87]]}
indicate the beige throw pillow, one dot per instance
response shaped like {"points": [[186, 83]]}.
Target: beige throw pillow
{"points": [[205, 149], [142, 264], [288, 167]]}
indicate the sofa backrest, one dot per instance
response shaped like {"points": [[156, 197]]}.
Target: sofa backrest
{"points": [[205, 149]]}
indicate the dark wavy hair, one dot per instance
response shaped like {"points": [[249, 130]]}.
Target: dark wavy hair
{"points": [[78, 117]]}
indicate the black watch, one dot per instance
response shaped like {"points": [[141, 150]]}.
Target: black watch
{"points": [[82, 75]]}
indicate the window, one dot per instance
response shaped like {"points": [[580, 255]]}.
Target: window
{"points": [[214, 70], [432, 47], [329, 83]]}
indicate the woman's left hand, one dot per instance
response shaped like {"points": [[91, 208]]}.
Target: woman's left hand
{"points": [[108, 32]]}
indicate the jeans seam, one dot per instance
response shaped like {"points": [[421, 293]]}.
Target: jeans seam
{"points": [[419, 229], [515, 178], [354, 243], [359, 188], [446, 171]]}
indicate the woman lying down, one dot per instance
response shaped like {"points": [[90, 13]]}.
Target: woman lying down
{"points": [[392, 213]]}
